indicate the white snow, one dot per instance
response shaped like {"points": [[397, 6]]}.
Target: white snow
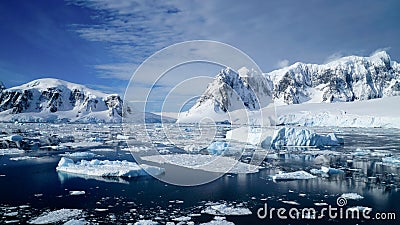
{"points": [[297, 175], [107, 168], [225, 210], [56, 216], [353, 196], [210, 163]]}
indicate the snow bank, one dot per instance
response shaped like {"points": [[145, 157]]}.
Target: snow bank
{"points": [[225, 210], [298, 175], [210, 163], [107, 168], [56, 216]]}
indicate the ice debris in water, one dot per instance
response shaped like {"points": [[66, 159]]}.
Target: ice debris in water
{"points": [[218, 220], [76, 192], [394, 161], [297, 175], [210, 163], [56, 216], [146, 222], [79, 154], [353, 196], [107, 168], [326, 170], [217, 148], [226, 210]]}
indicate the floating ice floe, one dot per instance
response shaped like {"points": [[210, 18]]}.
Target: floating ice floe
{"points": [[361, 152], [23, 158], [77, 192], [290, 202], [353, 196], [359, 208], [391, 161], [56, 216], [217, 148], [218, 220], [182, 219], [146, 222], [76, 222], [106, 168], [12, 151], [326, 170], [225, 210], [79, 154], [210, 163], [297, 175]]}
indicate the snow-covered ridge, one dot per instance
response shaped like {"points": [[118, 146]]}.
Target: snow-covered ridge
{"points": [[350, 78], [54, 100]]}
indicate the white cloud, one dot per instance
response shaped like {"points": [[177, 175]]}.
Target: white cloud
{"points": [[283, 63], [333, 57]]}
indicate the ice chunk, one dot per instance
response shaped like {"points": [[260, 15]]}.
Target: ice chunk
{"points": [[353, 196], [182, 218], [122, 137], [297, 175], [217, 148], [326, 170], [107, 168], [56, 216], [23, 158], [218, 221], [146, 222], [290, 202], [361, 152], [394, 161], [79, 154], [76, 222], [210, 163], [76, 192], [290, 136], [11, 151], [225, 210]]}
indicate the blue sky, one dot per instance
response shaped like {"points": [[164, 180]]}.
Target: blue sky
{"points": [[100, 43]]}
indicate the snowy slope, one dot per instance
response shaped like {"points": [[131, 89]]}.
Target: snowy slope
{"points": [[351, 78], [54, 100], [228, 92]]}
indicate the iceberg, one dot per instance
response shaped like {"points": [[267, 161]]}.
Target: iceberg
{"points": [[56, 216], [297, 175], [146, 222], [225, 210], [106, 168], [290, 136]]}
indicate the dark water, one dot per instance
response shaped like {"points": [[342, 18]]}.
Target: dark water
{"points": [[36, 183]]}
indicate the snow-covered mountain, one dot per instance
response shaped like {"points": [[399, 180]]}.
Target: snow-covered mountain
{"points": [[232, 91], [351, 78], [50, 100]]}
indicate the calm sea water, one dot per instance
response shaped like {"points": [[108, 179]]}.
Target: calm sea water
{"points": [[36, 183]]}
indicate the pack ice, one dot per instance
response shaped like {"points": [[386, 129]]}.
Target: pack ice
{"points": [[107, 168]]}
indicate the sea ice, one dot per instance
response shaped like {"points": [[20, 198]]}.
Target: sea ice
{"points": [[76, 192], [76, 222], [393, 161], [56, 216], [79, 154], [107, 168], [225, 210], [146, 222], [210, 163], [217, 148], [11, 151], [298, 175], [353, 196], [218, 221]]}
